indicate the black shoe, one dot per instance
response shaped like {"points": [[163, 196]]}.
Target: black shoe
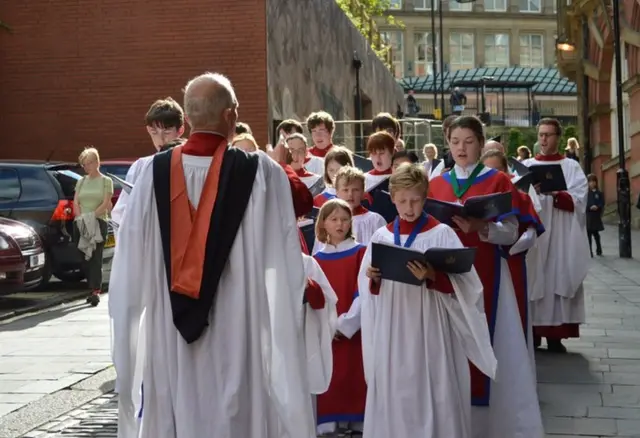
{"points": [[598, 253], [555, 346]]}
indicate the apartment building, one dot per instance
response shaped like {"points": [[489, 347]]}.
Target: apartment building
{"points": [[482, 34]]}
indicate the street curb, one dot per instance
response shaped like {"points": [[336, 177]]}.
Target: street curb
{"points": [[45, 304]]}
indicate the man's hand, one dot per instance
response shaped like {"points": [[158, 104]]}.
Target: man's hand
{"points": [[594, 208], [373, 274], [469, 225], [421, 271]]}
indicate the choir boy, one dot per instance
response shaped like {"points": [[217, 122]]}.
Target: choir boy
{"points": [[350, 188], [417, 340], [381, 147], [402, 157], [297, 144], [230, 333], [497, 410], [337, 158], [386, 122], [321, 126], [342, 406], [559, 308]]}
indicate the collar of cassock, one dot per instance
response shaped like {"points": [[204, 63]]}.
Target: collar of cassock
{"points": [[552, 157]]}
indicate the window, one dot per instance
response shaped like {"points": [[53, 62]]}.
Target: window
{"points": [[495, 5], [395, 4], [531, 51], [626, 109], [424, 53], [455, 6], [496, 50], [530, 6], [425, 4], [9, 185], [394, 39], [461, 51]]}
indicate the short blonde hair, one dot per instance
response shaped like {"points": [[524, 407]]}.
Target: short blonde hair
{"points": [[89, 152], [573, 141], [325, 211], [430, 146], [348, 175], [246, 137], [408, 177]]}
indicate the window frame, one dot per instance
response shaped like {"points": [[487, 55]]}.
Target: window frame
{"points": [[529, 11], [428, 62], [495, 47], [494, 9], [461, 34], [17, 178], [389, 41], [530, 49]]}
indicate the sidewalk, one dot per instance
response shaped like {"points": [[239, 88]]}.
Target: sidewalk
{"points": [[593, 391]]}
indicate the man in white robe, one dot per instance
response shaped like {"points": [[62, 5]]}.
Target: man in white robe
{"points": [[225, 360], [557, 300]]}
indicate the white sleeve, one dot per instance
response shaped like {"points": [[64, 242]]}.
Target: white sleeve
{"points": [[349, 322], [504, 232], [525, 242]]}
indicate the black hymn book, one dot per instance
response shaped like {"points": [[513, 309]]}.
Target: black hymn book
{"points": [[486, 207]]}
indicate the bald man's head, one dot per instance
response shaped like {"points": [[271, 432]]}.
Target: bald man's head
{"points": [[493, 145], [210, 104]]}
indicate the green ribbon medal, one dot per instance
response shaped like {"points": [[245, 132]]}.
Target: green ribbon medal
{"points": [[460, 191]]}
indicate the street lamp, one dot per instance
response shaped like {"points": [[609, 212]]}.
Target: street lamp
{"points": [[624, 189], [356, 63], [564, 45], [440, 52]]}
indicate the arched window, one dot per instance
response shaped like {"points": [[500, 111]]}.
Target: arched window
{"points": [[626, 111]]}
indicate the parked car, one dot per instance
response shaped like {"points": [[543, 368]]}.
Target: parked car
{"points": [[22, 257], [40, 194], [118, 168]]}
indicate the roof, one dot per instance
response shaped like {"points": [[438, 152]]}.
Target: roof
{"points": [[546, 81]]}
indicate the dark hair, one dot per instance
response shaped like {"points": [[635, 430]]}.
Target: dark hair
{"points": [[290, 126], [242, 128], [339, 154], [166, 113], [381, 140], [551, 122], [592, 177], [320, 118], [468, 122], [386, 122], [446, 124], [410, 155]]}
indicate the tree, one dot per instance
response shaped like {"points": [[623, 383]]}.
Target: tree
{"points": [[567, 133], [362, 13], [516, 139]]}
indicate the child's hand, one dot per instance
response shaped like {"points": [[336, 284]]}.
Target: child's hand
{"points": [[422, 271], [373, 274], [537, 188], [469, 225]]}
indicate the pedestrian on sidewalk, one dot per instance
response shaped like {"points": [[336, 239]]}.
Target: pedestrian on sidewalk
{"points": [[595, 207], [92, 204]]}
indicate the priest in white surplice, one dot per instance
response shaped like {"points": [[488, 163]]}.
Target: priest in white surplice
{"points": [[557, 302], [214, 279]]}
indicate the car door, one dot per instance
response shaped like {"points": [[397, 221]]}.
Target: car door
{"points": [[9, 190], [38, 198]]}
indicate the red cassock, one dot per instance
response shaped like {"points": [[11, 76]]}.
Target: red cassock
{"points": [[345, 399], [302, 199], [488, 255], [320, 152], [527, 218]]}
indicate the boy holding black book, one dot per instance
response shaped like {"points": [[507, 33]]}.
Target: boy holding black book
{"points": [[417, 339]]}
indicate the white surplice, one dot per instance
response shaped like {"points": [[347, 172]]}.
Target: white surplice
{"points": [[365, 225], [310, 180], [246, 376], [315, 164], [415, 346], [563, 253], [117, 214], [319, 328], [371, 180]]}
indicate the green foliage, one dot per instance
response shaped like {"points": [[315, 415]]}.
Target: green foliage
{"points": [[567, 133], [361, 14], [515, 140]]}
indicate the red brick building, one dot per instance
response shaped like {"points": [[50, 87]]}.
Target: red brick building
{"points": [[588, 26], [84, 73]]}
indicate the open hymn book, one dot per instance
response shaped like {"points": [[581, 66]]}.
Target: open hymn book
{"points": [[485, 207], [392, 261]]}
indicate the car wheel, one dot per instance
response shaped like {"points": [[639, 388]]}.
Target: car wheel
{"points": [[70, 276]]}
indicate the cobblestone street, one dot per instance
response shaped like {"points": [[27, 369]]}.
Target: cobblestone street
{"points": [[593, 391]]}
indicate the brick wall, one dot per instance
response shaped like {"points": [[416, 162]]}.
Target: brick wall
{"points": [[77, 73]]}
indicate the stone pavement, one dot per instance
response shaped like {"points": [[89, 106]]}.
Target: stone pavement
{"points": [[593, 391]]}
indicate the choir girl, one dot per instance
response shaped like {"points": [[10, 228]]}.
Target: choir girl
{"points": [[498, 411], [342, 406], [335, 159], [297, 144]]}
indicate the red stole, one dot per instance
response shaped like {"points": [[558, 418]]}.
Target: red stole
{"points": [[190, 226], [302, 172], [389, 171], [552, 157], [319, 152]]}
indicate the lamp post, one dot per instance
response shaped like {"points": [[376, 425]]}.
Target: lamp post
{"points": [[440, 52], [624, 189], [356, 63]]}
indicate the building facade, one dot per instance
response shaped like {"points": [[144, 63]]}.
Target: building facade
{"points": [[587, 27], [483, 34], [84, 73]]}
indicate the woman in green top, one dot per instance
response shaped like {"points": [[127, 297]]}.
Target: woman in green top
{"points": [[93, 195]]}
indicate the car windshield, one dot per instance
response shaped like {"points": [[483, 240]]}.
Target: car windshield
{"points": [[67, 180]]}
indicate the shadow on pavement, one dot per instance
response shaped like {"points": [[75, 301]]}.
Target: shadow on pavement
{"points": [[34, 320]]}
